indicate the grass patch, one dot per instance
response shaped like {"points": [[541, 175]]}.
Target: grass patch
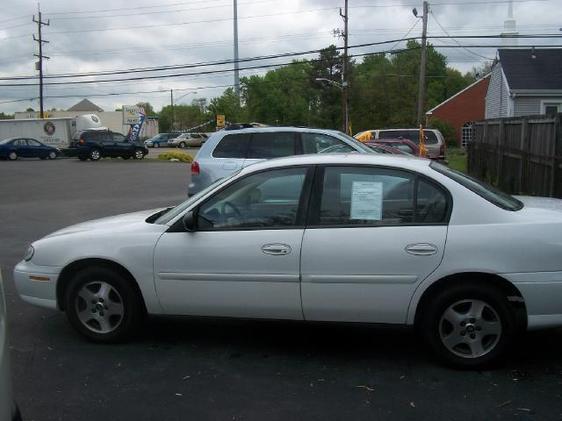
{"points": [[175, 155], [457, 159]]}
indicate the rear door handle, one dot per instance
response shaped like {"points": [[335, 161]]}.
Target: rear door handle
{"points": [[421, 249], [276, 249]]}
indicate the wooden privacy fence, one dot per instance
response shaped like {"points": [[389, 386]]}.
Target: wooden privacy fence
{"points": [[520, 155]]}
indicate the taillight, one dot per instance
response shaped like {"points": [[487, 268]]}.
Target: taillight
{"points": [[81, 141], [195, 170]]}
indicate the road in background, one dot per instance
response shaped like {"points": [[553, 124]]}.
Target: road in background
{"points": [[208, 369]]}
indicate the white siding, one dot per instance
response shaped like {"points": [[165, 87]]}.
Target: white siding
{"points": [[497, 97], [527, 106]]}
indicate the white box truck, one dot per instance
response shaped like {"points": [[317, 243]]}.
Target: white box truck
{"points": [[57, 132]]}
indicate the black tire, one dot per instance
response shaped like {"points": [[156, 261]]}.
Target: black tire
{"points": [[52, 155], [132, 305], [12, 155], [95, 154], [182, 145], [83, 158], [138, 154], [498, 310]]}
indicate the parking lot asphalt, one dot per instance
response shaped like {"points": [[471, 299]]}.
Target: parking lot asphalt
{"points": [[209, 369]]}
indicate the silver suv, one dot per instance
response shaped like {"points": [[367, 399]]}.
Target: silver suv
{"points": [[227, 151]]}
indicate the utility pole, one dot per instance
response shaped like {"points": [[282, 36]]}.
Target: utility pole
{"points": [[172, 105], [39, 64], [236, 65], [345, 76], [421, 83]]}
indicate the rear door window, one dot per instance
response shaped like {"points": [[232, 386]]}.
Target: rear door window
{"points": [[272, 145], [313, 143], [232, 146]]}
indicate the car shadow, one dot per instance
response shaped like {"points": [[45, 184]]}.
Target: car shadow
{"points": [[336, 341]]}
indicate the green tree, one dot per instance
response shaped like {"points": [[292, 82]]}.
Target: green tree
{"points": [[185, 117], [227, 104], [4, 116], [148, 109]]}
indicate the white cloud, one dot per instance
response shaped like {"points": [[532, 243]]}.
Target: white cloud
{"points": [[200, 31]]}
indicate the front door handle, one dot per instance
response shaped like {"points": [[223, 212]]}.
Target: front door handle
{"points": [[421, 249], [276, 249]]}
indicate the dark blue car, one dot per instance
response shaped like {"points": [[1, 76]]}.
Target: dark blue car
{"points": [[20, 147]]}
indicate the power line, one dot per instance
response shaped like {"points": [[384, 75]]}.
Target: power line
{"points": [[192, 22], [261, 58], [457, 42]]}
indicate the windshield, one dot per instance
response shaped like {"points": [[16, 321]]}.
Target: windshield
{"points": [[484, 190], [179, 209]]}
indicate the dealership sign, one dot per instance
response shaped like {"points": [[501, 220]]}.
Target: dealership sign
{"points": [[131, 114]]}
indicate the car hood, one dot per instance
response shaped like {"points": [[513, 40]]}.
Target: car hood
{"points": [[106, 223]]}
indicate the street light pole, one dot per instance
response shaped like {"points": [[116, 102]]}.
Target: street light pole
{"points": [[345, 78], [172, 105], [423, 59]]}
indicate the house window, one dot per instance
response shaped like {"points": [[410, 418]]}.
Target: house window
{"points": [[551, 108], [466, 134]]}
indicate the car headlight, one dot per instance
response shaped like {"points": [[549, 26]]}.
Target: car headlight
{"points": [[29, 253]]}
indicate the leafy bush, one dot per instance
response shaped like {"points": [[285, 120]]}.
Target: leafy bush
{"points": [[447, 131], [180, 156]]}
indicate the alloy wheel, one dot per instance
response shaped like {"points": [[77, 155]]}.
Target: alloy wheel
{"points": [[139, 154], [95, 155], [470, 328], [99, 307], [13, 156]]}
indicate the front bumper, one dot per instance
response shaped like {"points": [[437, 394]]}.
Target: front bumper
{"points": [[37, 284]]}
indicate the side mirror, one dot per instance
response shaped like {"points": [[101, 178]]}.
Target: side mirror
{"points": [[189, 221]]}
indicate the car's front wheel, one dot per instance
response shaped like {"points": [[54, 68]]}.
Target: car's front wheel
{"points": [[52, 155], [12, 156], [103, 305], [469, 326], [182, 145]]}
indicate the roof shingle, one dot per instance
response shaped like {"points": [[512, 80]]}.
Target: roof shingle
{"points": [[522, 71]]}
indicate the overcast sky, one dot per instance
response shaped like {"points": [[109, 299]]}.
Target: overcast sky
{"points": [[118, 34]]}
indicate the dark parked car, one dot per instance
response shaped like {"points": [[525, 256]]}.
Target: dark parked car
{"points": [[19, 147], [405, 145], [96, 144]]}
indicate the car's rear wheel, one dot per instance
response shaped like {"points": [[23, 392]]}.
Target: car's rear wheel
{"points": [[468, 326], [12, 156], [139, 154], [102, 305], [95, 154]]}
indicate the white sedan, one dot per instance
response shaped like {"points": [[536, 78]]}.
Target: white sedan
{"points": [[346, 238]]}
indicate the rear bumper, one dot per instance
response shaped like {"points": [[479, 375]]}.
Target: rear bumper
{"points": [[542, 293]]}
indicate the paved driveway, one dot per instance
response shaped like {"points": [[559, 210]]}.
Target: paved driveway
{"points": [[203, 369]]}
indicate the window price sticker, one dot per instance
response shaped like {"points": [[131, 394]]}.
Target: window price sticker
{"points": [[366, 200]]}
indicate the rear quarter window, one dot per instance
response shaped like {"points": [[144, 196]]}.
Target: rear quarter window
{"points": [[232, 146]]}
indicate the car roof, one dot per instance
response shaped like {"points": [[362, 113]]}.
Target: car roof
{"points": [[398, 161], [279, 129]]}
